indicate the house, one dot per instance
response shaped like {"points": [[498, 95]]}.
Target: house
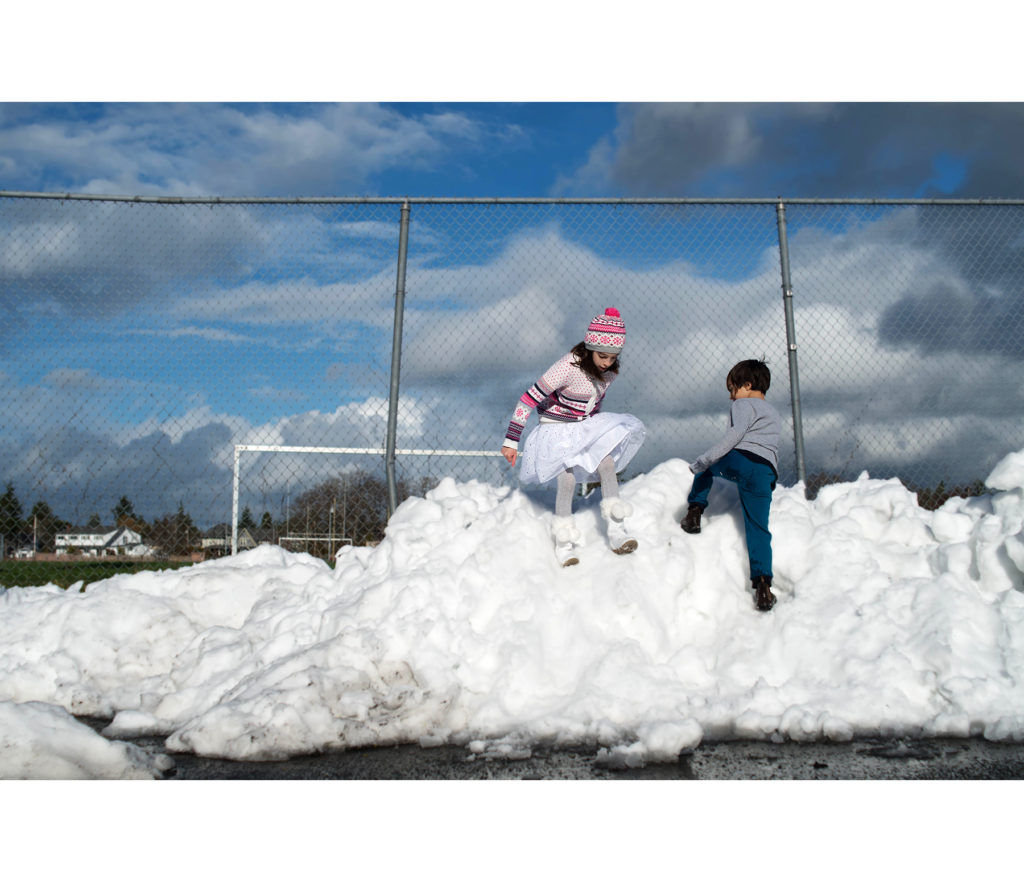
{"points": [[217, 540], [101, 542]]}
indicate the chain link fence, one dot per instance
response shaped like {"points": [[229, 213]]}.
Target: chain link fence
{"points": [[144, 340], [910, 324]]}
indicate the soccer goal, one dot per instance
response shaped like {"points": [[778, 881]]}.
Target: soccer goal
{"points": [[241, 449]]}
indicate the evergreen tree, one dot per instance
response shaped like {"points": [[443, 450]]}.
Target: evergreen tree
{"points": [[124, 516], [123, 510], [10, 515], [247, 520], [45, 525], [176, 534]]}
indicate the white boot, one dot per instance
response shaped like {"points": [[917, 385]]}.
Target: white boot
{"points": [[615, 511], [567, 540]]}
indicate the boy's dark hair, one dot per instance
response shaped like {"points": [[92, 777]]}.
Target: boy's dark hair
{"points": [[753, 371], [586, 363]]}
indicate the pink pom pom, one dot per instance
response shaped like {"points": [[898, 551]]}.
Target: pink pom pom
{"points": [[611, 310]]}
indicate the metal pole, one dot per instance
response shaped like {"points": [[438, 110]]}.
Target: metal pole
{"points": [[234, 506], [794, 375], [396, 361]]}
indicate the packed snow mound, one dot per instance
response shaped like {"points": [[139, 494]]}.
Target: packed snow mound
{"points": [[45, 742], [461, 628]]}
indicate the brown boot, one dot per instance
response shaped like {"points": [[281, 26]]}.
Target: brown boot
{"points": [[763, 590], [691, 523]]}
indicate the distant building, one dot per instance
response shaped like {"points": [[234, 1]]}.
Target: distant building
{"points": [[103, 542], [217, 540]]}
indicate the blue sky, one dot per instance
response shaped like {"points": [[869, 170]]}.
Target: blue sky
{"points": [[111, 338]]}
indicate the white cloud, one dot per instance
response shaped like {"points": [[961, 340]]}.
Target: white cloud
{"points": [[206, 149], [523, 327], [296, 302], [370, 230], [595, 176], [210, 334], [275, 394]]}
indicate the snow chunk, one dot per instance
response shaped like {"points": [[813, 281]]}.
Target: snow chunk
{"points": [[42, 741], [1008, 473]]}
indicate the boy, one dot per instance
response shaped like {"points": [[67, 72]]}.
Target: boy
{"points": [[749, 456]]}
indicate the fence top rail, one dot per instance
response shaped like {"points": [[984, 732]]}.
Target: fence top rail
{"points": [[492, 200], [368, 451]]}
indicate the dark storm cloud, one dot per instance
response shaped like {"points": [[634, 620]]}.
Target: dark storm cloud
{"points": [[944, 318], [979, 307], [858, 150], [817, 150], [98, 257], [79, 472]]}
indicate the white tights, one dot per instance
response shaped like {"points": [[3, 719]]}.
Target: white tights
{"points": [[567, 486]]}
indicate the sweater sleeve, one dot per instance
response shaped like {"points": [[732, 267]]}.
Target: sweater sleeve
{"points": [[551, 381], [741, 415]]}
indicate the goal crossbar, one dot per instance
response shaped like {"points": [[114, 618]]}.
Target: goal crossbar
{"points": [[348, 451]]}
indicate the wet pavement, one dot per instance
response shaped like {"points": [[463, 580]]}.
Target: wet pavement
{"points": [[867, 759]]}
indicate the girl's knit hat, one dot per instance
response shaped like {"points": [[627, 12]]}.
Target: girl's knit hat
{"points": [[606, 333]]}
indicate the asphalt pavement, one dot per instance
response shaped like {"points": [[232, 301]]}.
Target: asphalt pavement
{"points": [[866, 759]]}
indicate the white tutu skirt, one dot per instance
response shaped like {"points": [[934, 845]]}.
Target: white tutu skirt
{"points": [[551, 448]]}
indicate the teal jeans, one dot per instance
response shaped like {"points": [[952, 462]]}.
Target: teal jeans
{"points": [[755, 481]]}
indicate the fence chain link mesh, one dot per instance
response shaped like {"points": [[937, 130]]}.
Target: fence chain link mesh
{"points": [[145, 340], [910, 328]]}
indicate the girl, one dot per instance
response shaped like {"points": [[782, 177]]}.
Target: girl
{"points": [[574, 441]]}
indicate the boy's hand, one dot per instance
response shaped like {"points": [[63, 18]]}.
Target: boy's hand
{"points": [[510, 454]]}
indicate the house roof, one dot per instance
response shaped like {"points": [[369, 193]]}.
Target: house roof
{"points": [[109, 535], [223, 531], [88, 531]]}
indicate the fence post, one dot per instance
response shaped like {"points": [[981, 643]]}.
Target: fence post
{"points": [[794, 375], [396, 361], [234, 505]]}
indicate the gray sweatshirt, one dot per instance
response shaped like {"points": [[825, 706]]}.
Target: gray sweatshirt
{"points": [[754, 426]]}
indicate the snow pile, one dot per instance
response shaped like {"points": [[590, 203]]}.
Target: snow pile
{"points": [[43, 741], [461, 628]]}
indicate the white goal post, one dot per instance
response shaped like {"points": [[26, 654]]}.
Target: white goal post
{"points": [[349, 451]]}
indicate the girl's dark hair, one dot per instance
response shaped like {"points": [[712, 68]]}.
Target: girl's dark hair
{"points": [[586, 363], [753, 371]]}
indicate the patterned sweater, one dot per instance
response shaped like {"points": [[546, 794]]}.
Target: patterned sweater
{"points": [[564, 394]]}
